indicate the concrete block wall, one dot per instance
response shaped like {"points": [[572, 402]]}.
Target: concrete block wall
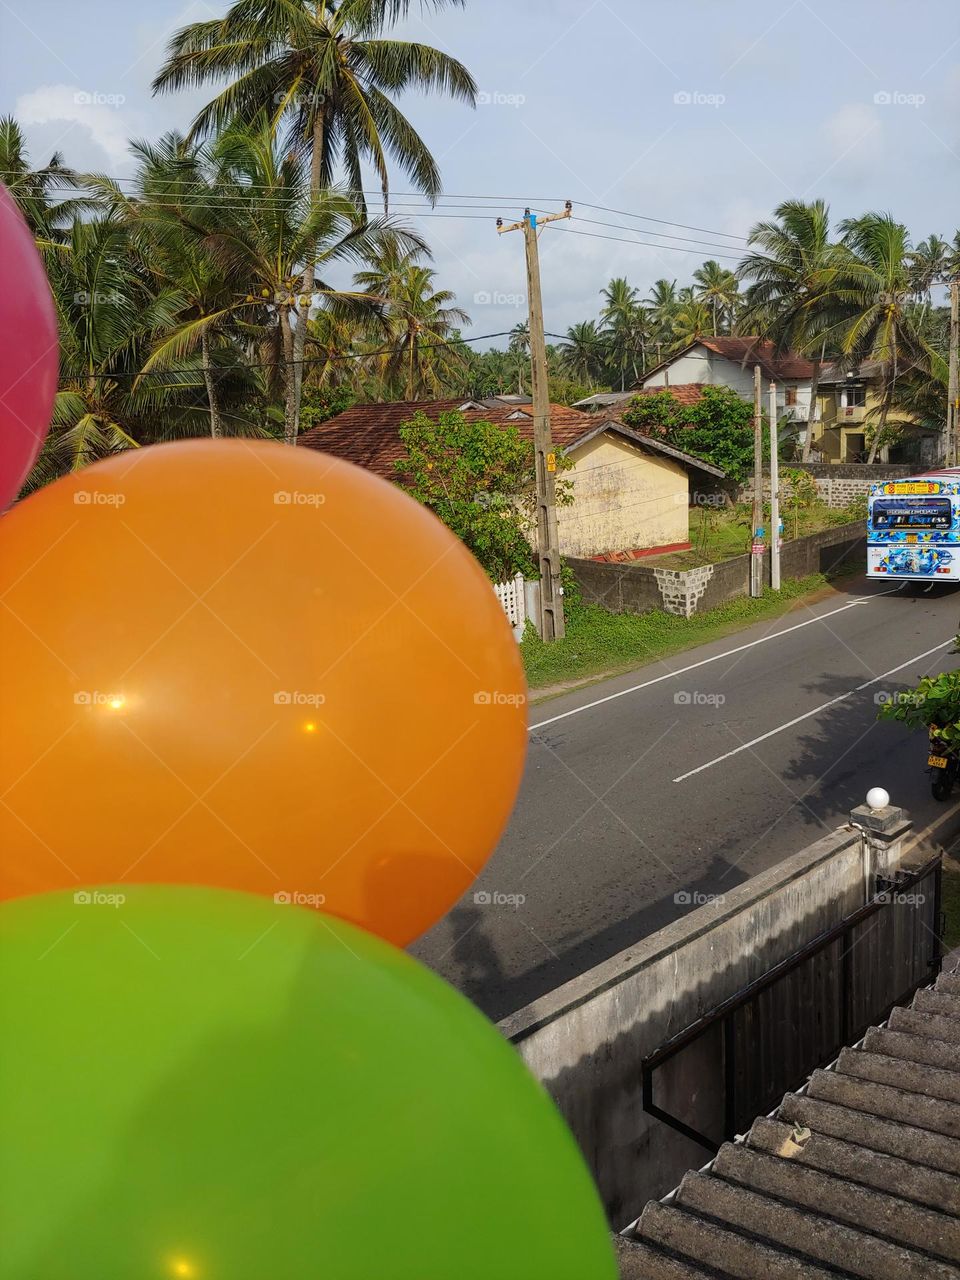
{"points": [[638, 588]]}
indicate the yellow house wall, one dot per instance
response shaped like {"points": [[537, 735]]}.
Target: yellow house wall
{"points": [[831, 432], [624, 498]]}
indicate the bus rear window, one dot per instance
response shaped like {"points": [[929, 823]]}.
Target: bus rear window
{"points": [[911, 513]]}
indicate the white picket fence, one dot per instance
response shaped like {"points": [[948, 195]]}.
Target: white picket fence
{"points": [[512, 597]]}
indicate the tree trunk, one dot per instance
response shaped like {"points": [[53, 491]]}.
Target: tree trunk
{"points": [[881, 425], [216, 423], [306, 288], [811, 416], [291, 387]]}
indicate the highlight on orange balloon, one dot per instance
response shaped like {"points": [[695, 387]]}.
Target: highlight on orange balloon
{"points": [[239, 664]]}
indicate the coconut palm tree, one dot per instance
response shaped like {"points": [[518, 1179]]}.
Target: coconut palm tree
{"points": [[877, 287], [324, 76], [661, 307], [419, 320], [928, 266], [792, 298], [109, 310], [38, 192], [625, 331], [583, 352], [692, 320], [265, 226], [717, 287]]}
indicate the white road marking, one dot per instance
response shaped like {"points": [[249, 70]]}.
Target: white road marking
{"points": [[816, 711], [728, 653]]}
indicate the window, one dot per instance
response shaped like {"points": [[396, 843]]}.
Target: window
{"points": [[853, 397], [790, 396]]}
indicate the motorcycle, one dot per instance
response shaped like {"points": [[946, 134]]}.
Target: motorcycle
{"points": [[944, 764]]}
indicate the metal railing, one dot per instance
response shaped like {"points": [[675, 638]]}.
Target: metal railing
{"points": [[724, 1013]]}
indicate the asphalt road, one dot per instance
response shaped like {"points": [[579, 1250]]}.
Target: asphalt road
{"points": [[689, 775]]}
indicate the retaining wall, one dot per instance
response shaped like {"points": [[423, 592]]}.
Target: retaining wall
{"points": [[636, 588], [837, 484]]}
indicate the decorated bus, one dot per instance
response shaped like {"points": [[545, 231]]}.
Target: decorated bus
{"points": [[913, 528]]}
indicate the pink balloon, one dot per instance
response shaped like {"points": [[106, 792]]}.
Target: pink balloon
{"points": [[28, 350]]}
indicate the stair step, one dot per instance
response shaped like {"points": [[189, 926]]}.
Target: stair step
{"points": [[949, 982], [931, 1150], [848, 1160], [941, 1003], [897, 1044], [819, 1237], [929, 1025], [911, 1077], [638, 1260], [712, 1244], [880, 1100], [861, 1207]]}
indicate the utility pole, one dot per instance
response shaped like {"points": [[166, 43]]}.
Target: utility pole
{"points": [[757, 544], [774, 490], [953, 385], [545, 460]]}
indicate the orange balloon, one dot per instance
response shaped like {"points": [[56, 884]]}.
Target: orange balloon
{"points": [[246, 665]]}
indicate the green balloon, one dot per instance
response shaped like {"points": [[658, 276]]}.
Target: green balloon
{"points": [[204, 1085]]}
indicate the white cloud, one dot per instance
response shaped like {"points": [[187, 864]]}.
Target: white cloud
{"points": [[97, 111]]}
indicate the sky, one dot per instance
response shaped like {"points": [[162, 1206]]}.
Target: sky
{"points": [[703, 115]]}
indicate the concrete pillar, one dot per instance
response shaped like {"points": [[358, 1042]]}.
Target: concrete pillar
{"points": [[881, 831]]}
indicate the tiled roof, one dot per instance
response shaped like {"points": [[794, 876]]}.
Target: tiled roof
{"points": [[686, 393], [747, 351], [786, 364], [368, 434], [856, 1175]]}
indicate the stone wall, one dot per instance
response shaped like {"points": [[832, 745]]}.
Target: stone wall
{"points": [[838, 485], [634, 587]]}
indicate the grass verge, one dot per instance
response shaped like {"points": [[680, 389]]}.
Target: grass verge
{"points": [[598, 642]]}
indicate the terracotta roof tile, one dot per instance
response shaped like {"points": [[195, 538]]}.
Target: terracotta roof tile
{"points": [[368, 434], [786, 364], [686, 393]]}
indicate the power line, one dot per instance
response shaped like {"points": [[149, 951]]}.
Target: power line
{"points": [[595, 235], [489, 201], [283, 364]]}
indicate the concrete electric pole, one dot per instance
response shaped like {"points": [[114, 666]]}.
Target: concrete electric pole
{"points": [[545, 461], [774, 490], [756, 543], [953, 384]]}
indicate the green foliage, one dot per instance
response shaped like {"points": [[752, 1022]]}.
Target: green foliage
{"points": [[319, 404], [933, 705], [477, 477], [718, 428]]}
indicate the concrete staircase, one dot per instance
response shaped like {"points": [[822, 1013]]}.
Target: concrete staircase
{"points": [[857, 1176]]}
